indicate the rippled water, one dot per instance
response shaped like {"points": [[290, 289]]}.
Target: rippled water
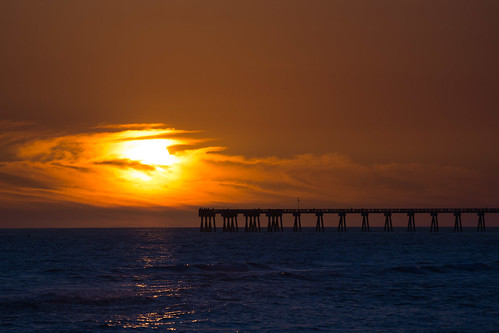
{"points": [[181, 279]]}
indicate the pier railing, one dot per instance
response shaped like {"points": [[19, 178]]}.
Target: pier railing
{"points": [[275, 222]]}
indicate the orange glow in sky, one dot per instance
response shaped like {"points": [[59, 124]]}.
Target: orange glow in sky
{"points": [[152, 165], [106, 166]]}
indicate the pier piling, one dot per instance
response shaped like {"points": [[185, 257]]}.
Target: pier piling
{"points": [[274, 217], [365, 221], [342, 224], [411, 225], [434, 222], [481, 221], [388, 222], [229, 221], [206, 216], [320, 222], [297, 223], [251, 220], [458, 225]]}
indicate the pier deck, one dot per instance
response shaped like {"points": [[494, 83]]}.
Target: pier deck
{"points": [[275, 222]]}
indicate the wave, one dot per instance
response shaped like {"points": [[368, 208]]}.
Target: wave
{"points": [[216, 267], [240, 271], [447, 268], [55, 300]]}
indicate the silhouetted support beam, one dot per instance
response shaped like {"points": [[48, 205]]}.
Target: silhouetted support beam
{"points": [[297, 224], [388, 221], [458, 225], [258, 217], [274, 218], [365, 222], [229, 221], [206, 215], [319, 226], [275, 223], [434, 222], [411, 225], [252, 223], [342, 224], [207, 224], [481, 221]]}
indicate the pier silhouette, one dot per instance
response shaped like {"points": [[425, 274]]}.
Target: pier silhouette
{"points": [[275, 221]]}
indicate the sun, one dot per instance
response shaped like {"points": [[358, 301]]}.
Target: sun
{"points": [[159, 166], [153, 152]]}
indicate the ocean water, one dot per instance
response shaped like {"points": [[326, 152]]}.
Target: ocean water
{"points": [[91, 280]]}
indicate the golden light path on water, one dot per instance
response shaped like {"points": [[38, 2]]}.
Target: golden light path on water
{"points": [[146, 287]]}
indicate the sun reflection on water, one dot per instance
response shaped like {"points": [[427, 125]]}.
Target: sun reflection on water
{"points": [[154, 320], [163, 293]]}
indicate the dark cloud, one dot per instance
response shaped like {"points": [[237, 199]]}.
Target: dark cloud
{"points": [[18, 181], [126, 163]]}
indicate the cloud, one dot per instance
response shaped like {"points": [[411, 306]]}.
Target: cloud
{"points": [[140, 126], [92, 168], [126, 163], [337, 180]]}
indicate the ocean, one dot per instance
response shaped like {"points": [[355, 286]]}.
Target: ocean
{"points": [[93, 280]]}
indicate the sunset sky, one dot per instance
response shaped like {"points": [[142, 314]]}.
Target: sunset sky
{"points": [[136, 113]]}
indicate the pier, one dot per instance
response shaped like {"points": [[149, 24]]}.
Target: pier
{"points": [[275, 218]]}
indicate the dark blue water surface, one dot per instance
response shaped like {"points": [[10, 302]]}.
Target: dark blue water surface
{"points": [[180, 279]]}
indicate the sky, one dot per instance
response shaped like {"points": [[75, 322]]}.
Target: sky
{"points": [[136, 113]]}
